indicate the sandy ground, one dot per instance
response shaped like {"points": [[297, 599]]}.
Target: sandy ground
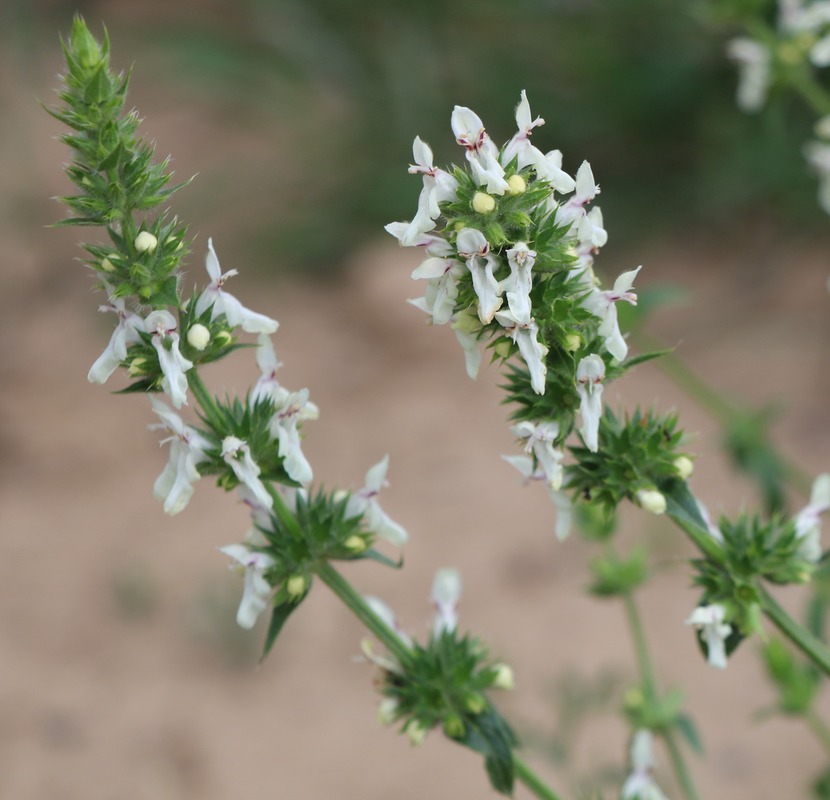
{"points": [[122, 675]]}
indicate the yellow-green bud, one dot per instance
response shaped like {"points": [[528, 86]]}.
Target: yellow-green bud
{"points": [[296, 586], [387, 711], [502, 348], [504, 678], [416, 732], [223, 338], [684, 466], [467, 321], [573, 341], [516, 185], [198, 336], [356, 544], [822, 127], [651, 500], [136, 367], [171, 239], [454, 726], [634, 700], [483, 203], [145, 242], [475, 703], [107, 265]]}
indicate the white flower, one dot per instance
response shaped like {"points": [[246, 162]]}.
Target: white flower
{"points": [[443, 275], [602, 304], [474, 249], [640, 784], [439, 186], [363, 503], [224, 303], [267, 385], [162, 325], [808, 520], [125, 334], [553, 173], [482, 154], [293, 409], [256, 593], [590, 373], [446, 592], [591, 234], [237, 456], [466, 327], [713, 630], [753, 61], [187, 449], [561, 500], [538, 439], [524, 334], [586, 190], [518, 284]]}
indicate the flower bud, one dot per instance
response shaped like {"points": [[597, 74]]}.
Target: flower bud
{"points": [[387, 711], [170, 239], [136, 367], [223, 338], [573, 341], [504, 678], [84, 46], [454, 726], [483, 203], [296, 586], [475, 703], [684, 467], [502, 348], [145, 242], [416, 732], [651, 500], [198, 336], [467, 321], [516, 185], [107, 265], [822, 127], [355, 544]]}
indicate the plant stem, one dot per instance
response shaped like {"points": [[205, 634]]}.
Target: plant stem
{"points": [[812, 647], [646, 668], [204, 398], [532, 781], [361, 609]]}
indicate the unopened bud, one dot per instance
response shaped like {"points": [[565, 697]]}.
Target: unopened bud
{"points": [[573, 341], [198, 336], [483, 203], [651, 500], [504, 678], [136, 367], [684, 467], [822, 127], [107, 265], [516, 185], [467, 321], [475, 703], [296, 586], [454, 726], [416, 732], [387, 711], [145, 242], [171, 239], [223, 338], [355, 544], [502, 348], [84, 45]]}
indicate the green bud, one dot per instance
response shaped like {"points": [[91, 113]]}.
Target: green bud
{"points": [[504, 678], [684, 466], [223, 338], [355, 544], [516, 185], [502, 348], [83, 45], [107, 265], [483, 203], [137, 367], [454, 726], [296, 586], [474, 703], [416, 732], [387, 711]]}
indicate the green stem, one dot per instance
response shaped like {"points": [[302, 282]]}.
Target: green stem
{"points": [[532, 781], [647, 675], [204, 398], [812, 647], [361, 609]]}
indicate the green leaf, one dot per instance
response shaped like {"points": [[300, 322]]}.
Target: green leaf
{"points": [[278, 618], [688, 730], [488, 734], [376, 555]]}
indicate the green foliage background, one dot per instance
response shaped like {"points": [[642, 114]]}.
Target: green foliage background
{"points": [[642, 88]]}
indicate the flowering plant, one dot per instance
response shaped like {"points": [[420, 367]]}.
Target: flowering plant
{"points": [[509, 242]]}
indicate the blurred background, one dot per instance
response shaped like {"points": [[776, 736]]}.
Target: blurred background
{"points": [[122, 673]]}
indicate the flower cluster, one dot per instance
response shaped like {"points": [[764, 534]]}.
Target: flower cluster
{"points": [[510, 245], [784, 55]]}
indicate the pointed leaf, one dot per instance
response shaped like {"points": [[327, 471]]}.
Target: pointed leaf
{"points": [[278, 618]]}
